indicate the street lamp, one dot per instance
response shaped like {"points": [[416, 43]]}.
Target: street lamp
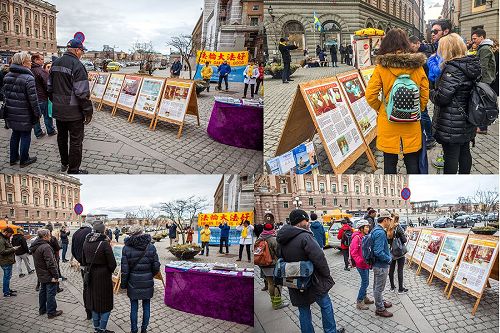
{"points": [[270, 11], [297, 202]]}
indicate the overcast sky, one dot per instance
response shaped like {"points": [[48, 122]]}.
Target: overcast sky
{"points": [[432, 9], [447, 188], [116, 194], [121, 23]]}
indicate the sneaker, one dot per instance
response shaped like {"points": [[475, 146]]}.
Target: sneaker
{"points": [[238, 259], [402, 291], [60, 290], [384, 313], [9, 295], [430, 144], [265, 288], [392, 290], [30, 160], [37, 288], [438, 162], [41, 313], [281, 306], [347, 269], [64, 168], [55, 314], [290, 80], [286, 82], [341, 330], [22, 275], [31, 272]]}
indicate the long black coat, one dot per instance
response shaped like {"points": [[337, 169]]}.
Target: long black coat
{"points": [[44, 260], [21, 102], [333, 53], [298, 244], [451, 100], [99, 294], [139, 281], [285, 51]]}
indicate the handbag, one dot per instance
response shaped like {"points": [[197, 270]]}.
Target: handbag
{"points": [[398, 249], [87, 269], [295, 275]]}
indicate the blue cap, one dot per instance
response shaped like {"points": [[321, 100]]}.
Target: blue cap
{"points": [[76, 44]]}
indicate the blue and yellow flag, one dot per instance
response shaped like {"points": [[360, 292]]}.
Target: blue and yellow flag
{"points": [[317, 23]]}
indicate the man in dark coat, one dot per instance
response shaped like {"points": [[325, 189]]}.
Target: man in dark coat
{"points": [[318, 230], [286, 58], [41, 78], [76, 250], [257, 229], [69, 91], [139, 265], [370, 217], [342, 53], [224, 236], [172, 233], [46, 271], [297, 243], [333, 53], [7, 260], [64, 242], [175, 70], [22, 253]]}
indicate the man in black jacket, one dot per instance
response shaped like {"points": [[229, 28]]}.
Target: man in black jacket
{"points": [[286, 58], [64, 242], [22, 253], [41, 77], [68, 88], [297, 243], [76, 250]]}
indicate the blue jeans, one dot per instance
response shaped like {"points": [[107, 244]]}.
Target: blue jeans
{"points": [[100, 320], [7, 274], [327, 317], [426, 124], [365, 280], [47, 298], [146, 311], [49, 123], [24, 139], [64, 250]]}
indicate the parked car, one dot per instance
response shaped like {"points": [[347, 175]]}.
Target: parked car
{"points": [[459, 213], [332, 235], [492, 217], [89, 66], [113, 66], [443, 222], [477, 217], [463, 221]]}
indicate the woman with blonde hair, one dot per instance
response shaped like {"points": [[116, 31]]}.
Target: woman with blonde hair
{"points": [[395, 231], [451, 102]]}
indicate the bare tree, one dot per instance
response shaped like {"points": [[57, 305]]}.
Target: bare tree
{"points": [[486, 200], [148, 214], [184, 45], [146, 53]]}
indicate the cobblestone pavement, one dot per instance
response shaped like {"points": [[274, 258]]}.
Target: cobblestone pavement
{"points": [[20, 314], [423, 309], [112, 145], [279, 98]]}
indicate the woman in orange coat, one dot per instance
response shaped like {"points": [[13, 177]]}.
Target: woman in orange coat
{"points": [[393, 59]]}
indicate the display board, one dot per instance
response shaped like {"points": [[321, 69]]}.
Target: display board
{"points": [[301, 159], [474, 269], [354, 91], [128, 94], [432, 251], [320, 106], [233, 219], [238, 60], [421, 247], [116, 276], [363, 53], [412, 235], [113, 89], [92, 79], [179, 98], [366, 74], [148, 98], [100, 86]]}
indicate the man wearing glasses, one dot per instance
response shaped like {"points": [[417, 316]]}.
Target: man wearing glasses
{"points": [[439, 29]]}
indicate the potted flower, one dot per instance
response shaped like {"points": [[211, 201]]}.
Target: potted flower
{"points": [[200, 85], [158, 237], [185, 251], [484, 230], [276, 70]]}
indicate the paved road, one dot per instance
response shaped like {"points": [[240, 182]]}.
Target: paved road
{"points": [[424, 309], [112, 145], [279, 98]]}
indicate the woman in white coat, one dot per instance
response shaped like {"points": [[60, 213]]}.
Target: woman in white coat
{"points": [[251, 74], [246, 238]]}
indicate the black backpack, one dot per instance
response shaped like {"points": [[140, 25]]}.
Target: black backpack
{"points": [[483, 105], [346, 238]]}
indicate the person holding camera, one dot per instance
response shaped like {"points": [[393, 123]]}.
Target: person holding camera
{"points": [[7, 260]]}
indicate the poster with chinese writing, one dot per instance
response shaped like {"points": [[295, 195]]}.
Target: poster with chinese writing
{"points": [[363, 50], [100, 86], [174, 103], [92, 79], [421, 247], [149, 95], [431, 253], [233, 219], [238, 60], [355, 93], [412, 236], [448, 257], [113, 89], [334, 119], [477, 260], [305, 158], [129, 90]]}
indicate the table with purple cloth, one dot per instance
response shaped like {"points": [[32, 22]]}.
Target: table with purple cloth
{"points": [[212, 295], [237, 125]]}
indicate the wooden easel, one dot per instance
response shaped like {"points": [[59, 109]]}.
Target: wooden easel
{"points": [[149, 115], [301, 125], [423, 264], [92, 78], [494, 261], [111, 102], [418, 259], [98, 99], [124, 107], [409, 255], [364, 72]]}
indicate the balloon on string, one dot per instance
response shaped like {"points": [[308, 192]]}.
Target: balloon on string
{"points": [[79, 36]]}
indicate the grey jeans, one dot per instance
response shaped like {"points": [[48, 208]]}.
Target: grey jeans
{"points": [[20, 259], [379, 280]]}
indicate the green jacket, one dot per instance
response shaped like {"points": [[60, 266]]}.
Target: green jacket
{"points": [[487, 60], [7, 252]]}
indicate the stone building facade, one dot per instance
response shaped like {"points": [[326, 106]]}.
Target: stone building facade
{"points": [[479, 14], [26, 198], [339, 19], [234, 193], [322, 193], [27, 25]]}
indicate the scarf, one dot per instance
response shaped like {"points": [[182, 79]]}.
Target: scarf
{"points": [[283, 43], [268, 233], [250, 71], [244, 232]]}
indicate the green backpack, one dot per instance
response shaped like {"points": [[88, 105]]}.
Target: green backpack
{"points": [[403, 105]]}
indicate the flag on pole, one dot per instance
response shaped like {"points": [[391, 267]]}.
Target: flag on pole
{"points": [[317, 23]]}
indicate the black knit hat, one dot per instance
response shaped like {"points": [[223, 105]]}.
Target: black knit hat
{"points": [[297, 216]]}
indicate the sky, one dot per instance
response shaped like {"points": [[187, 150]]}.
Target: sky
{"points": [[447, 188], [121, 23], [432, 9], [117, 194]]}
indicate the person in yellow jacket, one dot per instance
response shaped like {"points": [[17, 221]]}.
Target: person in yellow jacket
{"points": [[206, 73], [394, 58], [205, 238]]}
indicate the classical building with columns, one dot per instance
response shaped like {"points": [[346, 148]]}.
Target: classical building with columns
{"points": [[339, 20], [322, 193], [39, 199], [27, 25]]}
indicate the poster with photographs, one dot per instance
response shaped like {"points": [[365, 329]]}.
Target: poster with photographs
{"points": [[366, 74], [412, 236], [449, 255], [477, 260], [129, 90], [355, 93], [113, 89], [149, 95], [334, 120], [174, 103], [273, 166], [305, 158], [100, 86], [92, 79], [432, 250], [421, 247], [363, 53]]}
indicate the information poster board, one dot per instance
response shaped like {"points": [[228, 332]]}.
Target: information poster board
{"points": [[148, 98], [412, 235], [238, 60], [100, 87], [363, 53], [421, 247], [116, 276], [449, 256], [233, 219], [354, 90], [366, 74], [128, 93], [305, 158], [432, 251], [113, 90], [92, 79]]}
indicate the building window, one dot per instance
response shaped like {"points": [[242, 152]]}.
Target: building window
{"points": [[16, 11], [322, 187], [28, 43], [311, 201], [10, 198], [26, 213], [48, 215], [37, 201], [6, 41], [51, 35], [392, 203], [64, 215], [55, 188], [24, 181], [36, 33], [4, 7], [44, 46], [18, 29], [63, 205], [36, 17], [55, 203], [385, 202], [479, 3], [356, 188], [369, 202], [57, 215], [255, 7], [285, 204], [12, 212], [8, 179], [308, 187], [38, 214], [70, 204], [334, 188], [385, 191], [346, 201], [5, 27], [323, 201], [399, 201], [27, 31], [37, 45], [254, 21], [335, 201], [18, 42], [358, 201], [283, 189], [345, 189], [378, 202], [25, 199], [27, 13], [46, 202], [44, 34], [392, 191]]}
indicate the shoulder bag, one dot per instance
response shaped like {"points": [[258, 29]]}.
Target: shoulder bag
{"points": [[87, 269]]}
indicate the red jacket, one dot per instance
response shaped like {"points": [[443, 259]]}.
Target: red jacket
{"points": [[261, 72], [357, 252], [341, 233]]}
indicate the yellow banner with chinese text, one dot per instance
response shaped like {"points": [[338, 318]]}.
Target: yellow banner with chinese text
{"points": [[233, 219]]}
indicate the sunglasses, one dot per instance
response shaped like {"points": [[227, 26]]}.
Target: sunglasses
{"points": [[435, 32]]}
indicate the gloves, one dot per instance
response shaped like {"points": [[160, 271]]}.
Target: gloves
{"points": [[88, 119]]}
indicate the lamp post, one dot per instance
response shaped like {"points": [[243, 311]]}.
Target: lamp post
{"points": [[297, 202], [270, 10]]}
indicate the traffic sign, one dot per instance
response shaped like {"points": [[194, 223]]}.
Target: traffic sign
{"points": [[79, 36], [78, 209], [405, 193]]}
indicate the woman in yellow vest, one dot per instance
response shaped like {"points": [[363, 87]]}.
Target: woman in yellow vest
{"points": [[205, 238], [206, 73], [246, 238]]}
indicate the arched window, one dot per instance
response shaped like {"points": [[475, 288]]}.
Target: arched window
{"points": [[294, 30], [380, 27], [331, 33]]}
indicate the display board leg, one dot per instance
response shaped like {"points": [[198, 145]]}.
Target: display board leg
{"points": [[179, 133], [419, 269], [449, 293], [152, 123], [100, 107], [476, 305], [113, 112], [371, 158], [488, 284], [446, 288], [131, 118], [429, 280], [198, 118]]}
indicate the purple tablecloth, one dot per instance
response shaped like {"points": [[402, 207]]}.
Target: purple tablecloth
{"points": [[211, 295], [237, 125]]}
